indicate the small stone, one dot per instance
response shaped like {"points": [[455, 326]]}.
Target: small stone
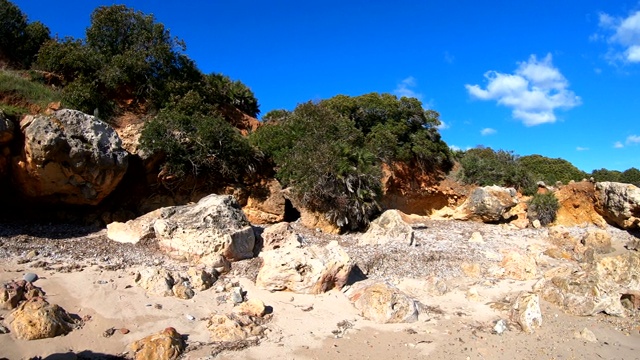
{"points": [[30, 277], [236, 295], [109, 332], [4, 329], [500, 327], [476, 237], [158, 306], [190, 317], [587, 335], [124, 331]]}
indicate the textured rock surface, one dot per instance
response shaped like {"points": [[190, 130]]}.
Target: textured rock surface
{"points": [[519, 266], [134, 231], [14, 292], [309, 270], [200, 232], [389, 227], [593, 288], [383, 303], [577, 205], [526, 312], [69, 157], [619, 204], [156, 281], [266, 205], [488, 204], [37, 319], [165, 345], [279, 236]]}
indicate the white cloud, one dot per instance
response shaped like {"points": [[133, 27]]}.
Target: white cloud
{"points": [[487, 131], [533, 92], [407, 88], [626, 34], [633, 139], [443, 125], [454, 148], [618, 145], [580, 148]]}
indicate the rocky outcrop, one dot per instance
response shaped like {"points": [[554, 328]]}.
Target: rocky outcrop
{"points": [[37, 319], [134, 231], [489, 204], [389, 227], [619, 204], [310, 270], [517, 266], [266, 204], [593, 288], [69, 157], [15, 292], [158, 281], [165, 345], [526, 312], [577, 205], [383, 303]]}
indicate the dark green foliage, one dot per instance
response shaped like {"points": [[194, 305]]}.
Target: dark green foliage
{"points": [[631, 176], [198, 144], [543, 207], [606, 175], [235, 93], [484, 166], [551, 170], [321, 154], [19, 40]]}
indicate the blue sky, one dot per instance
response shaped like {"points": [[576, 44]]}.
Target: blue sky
{"points": [[555, 78]]}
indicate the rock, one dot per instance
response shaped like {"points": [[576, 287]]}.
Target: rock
{"points": [[156, 281], [134, 231], [37, 319], [595, 287], [631, 299], [599, 240], [165, 345], [4, 329], [278, 236], [252, 307], [389, 227], [489, 204], [124, 331], [383, 303], [476, 237], [237, 295], [577, 205], [266, 204], [230, 327], [536, 224], [69, 157], [219, 263], [6, 129], [500, 327], [586, 335], [619, 204], [200, 232], [309, 270], [30, 277], [526, 312], [14, 292], [200, 279], [518, 266], [182, 290]]}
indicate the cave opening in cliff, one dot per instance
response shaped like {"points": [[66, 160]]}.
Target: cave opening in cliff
{"points": [[291, 214]]}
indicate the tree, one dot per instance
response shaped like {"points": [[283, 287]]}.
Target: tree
{"points": [[551, 170], [603, 174], [484, 166], [19, 40], [631, 176]]}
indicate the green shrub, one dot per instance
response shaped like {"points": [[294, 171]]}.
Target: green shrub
{"points": [[551, 170], [631, 176], [484, 166], [321, 155], [543, 207]]}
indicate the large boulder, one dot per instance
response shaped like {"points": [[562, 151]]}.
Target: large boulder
{"points": [[14, 292], [309, 270], [37, 319], [383, 303], [200, 232], [69, 157], [266, 204], [165, 345], [489, 204], [596, 287], [389, 227], [619, 204], [577, 205], [280, 235]]}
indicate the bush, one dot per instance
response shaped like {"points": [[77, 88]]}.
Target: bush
{"points": [[543, 207], [321, 155], [551, 170], [484, 166]]}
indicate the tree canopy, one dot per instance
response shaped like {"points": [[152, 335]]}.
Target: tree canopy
{"points": [[19, 39]]}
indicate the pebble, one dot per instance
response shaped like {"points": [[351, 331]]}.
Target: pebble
{"points": [[4, 329], [30, 277], [500, 327], [109, 332], [236, 295], [124, 331], [190, 317]]}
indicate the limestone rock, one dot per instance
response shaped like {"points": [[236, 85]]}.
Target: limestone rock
{"points": [[586, 335], [156, 281], [518, 266], [597, 239], [526, 312], [279, 236], [251, 307], [266, 205], [134, 231], [201, 279], [182, 290], [594, 287], [309, 270], [619, 204], [224, 328], [489, 204], [165, 345], [577, 205], [389, 227], [37, 319], [69, 157], [14, 292], [200, 232], [383, 303]]}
